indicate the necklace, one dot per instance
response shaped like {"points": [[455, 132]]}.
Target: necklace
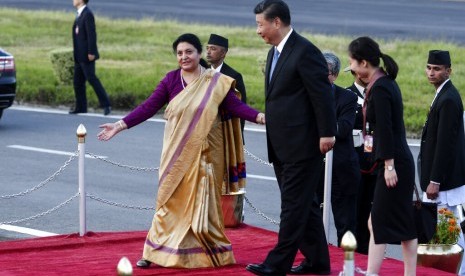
{"points": [[182, 79]]}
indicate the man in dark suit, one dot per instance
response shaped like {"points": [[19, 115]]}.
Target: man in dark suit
{"points": [[442, 152], [300, 129], [346, 169], [217, 48], [85, 55]]}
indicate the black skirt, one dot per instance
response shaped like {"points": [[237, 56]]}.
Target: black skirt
{"points": [[392, 213]]}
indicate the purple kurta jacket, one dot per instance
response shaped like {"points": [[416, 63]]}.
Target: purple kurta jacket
{"points": [[168, 88]]}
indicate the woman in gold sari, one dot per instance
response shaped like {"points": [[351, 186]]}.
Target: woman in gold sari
{"points": [[200, 144]]}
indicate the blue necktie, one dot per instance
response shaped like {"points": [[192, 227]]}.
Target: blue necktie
{"points": [[274, 61]]}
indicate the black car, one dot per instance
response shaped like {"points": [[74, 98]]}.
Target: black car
{"points": [[7, 80]]}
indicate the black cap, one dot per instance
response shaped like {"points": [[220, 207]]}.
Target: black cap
{"points": [[218, 40], [439, 57]]}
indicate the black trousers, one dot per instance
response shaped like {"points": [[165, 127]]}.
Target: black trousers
{"points": [[85, 71], [344, 190], [301, 227], [364, 202]]}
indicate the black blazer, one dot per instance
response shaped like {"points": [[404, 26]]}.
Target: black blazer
{"points": [[229, 71], [359, 113], [365, 159], [385, 115], [346, 103], [442, 151], [84, 36], [298, 102]]}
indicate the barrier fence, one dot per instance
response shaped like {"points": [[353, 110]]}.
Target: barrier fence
{"points": [[83, 195]]}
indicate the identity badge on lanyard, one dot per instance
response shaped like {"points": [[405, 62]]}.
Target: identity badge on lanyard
{"points": [[368, 139]]}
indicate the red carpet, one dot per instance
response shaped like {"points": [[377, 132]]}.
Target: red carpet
{"points": [[99, 254]]}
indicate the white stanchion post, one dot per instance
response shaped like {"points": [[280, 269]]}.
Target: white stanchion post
{"points": [[81, 134], [327, 191], [349, 244]]}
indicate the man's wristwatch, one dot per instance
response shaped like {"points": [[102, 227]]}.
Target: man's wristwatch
{"points": [[390, 168]]}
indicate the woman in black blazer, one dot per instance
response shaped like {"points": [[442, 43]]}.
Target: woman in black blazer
{"points": [[391, 219]]}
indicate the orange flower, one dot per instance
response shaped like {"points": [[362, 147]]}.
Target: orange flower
{"points": [[448, 213], [447, 229]]}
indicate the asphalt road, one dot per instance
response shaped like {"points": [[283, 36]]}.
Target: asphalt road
{"points": [[413, 19]]}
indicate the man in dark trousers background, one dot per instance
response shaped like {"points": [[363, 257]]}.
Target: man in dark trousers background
{"points": [[300, 129], [85, 55], [217, 48]]}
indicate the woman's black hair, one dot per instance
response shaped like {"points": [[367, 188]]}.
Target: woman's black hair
{"points": [[194, 41], [365, 48], [189, 38]]}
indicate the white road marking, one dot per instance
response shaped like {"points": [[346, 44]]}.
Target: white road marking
{"points": [[261, 177], [58, 152], [28, 231], [254, 128]]}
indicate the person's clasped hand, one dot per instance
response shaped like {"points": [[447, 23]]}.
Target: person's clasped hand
{"points": [[327, 144], [260, 119], [432, 191]]}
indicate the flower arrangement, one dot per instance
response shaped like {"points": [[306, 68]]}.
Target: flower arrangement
{"points": [[447, 229]]}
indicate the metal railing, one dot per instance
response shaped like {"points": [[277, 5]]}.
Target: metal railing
{"points": [[79, 154]]}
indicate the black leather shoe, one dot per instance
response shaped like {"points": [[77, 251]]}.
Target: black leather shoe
{"points": [[143, 263], [306, 269], [106, 110], [263, 269], [77, 111]]}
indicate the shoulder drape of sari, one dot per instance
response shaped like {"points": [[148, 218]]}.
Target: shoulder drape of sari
{"points": [[190, 116], [235, 178]]}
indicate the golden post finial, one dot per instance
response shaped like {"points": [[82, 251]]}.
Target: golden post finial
{"points": [[81, 133], [349, 244], [124, 267]]}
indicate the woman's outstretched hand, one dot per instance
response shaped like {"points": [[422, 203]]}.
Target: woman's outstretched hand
{"points": [[109, 130]]}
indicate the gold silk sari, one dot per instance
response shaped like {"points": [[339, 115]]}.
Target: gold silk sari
{"points": [[187, 229]]}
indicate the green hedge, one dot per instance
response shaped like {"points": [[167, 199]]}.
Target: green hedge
{"points": [[136, 54], [63, 65]]}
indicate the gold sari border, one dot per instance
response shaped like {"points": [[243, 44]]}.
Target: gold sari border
{"points": [[187, 251]]}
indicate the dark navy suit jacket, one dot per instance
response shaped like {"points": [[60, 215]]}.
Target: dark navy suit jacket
{"points": [[84, 36], [298, 110], [346, 169], [346, 103], [442, 151]]}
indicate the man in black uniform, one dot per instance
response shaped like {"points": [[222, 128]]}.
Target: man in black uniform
{"points": [[346, 170], [217, 48]]}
